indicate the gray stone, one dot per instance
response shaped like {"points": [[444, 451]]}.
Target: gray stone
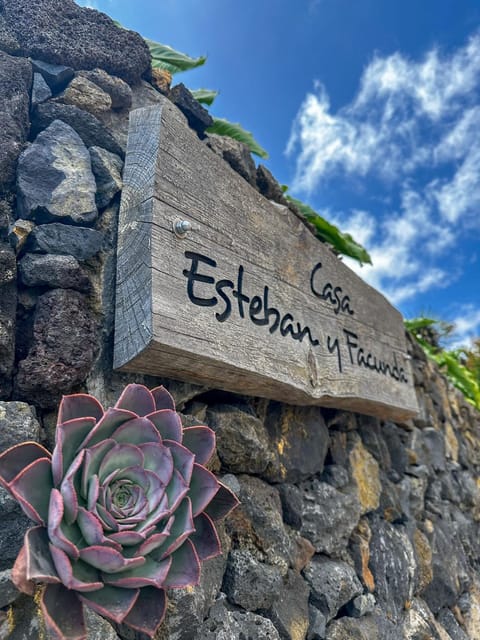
{"points": [[40, 90], [118, 90], [371, 432], [61, 32], [53, 271], [8, 591], [56, 76], [98, 628], [299, 439], [251, 584], [356, 629], [392, 436], [107, 168], [434, 447], [198, 118], [15, 82], [13, 525], [242, 441], [292, 504], [223, 624], [451, 626], [328, 516], [80, 242], [420, 623], [18, 423], [290, 613], [26, 622], [392, 563], [257, 523], [86, 95], [55, 180], [8, 307], [317, 624], [332, 584], [63, 350], [8, 42], [88, 127], [336, 475], [361, 605], [236, 154], [268, 186], [19, 232]]}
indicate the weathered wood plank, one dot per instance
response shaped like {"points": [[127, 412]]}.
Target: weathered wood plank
{"points": [[249, 301]]}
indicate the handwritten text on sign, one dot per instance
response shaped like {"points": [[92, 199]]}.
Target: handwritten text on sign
{"points": [[249, 301]]}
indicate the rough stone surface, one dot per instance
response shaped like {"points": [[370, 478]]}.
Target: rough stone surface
{"points": [[366, 475], [107, 168], [53, 271], [97, 627], [236, 154], [13, 524], [268, 186], [242, 440], [224, 624], [249, 583], [332, 584], [63, 349], [354, 629], [119, 91], [18, 423], [40, 90], [299, 439], [361, 605], [198, 118], [317, 624], [290, 613], [80, 242], [8, 591], [393, 567], [56, 76], [8, 303], [55, 181], [15, 82], [61, 32], [88, 127], [328, 516], [86, 95]]}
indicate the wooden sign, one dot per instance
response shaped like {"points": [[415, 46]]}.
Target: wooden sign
{"points": [[248, 300]]}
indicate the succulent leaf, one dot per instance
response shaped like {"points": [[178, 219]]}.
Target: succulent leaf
{"points": [[19, 573], [107, 425], [168, 424], [136, 398], [147, 614], [111, 602], [78, 575], [182, 527], [79, 405], [63, 614], [222, 504], [203, 487], [185, 568], [31, 489], [163, 399], [137, 431], [39, 566], [183, 459], [151, 573], [68, 438], [55, 526], [109, 560], [205, 539], [16, 458], [201, 441]]}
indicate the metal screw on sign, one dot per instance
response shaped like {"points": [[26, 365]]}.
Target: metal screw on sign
{"points": [[181, 228]]}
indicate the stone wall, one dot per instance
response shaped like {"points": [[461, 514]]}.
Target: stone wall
{"points": [[349, 527]]}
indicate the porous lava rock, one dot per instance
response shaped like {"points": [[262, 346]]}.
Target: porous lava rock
{"points": [[61, 32]]}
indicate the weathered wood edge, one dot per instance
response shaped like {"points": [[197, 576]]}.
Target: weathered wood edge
{"points": [[133, 307]]}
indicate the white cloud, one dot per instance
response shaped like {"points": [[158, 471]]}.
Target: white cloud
{"points": [[467, 327], [414, 127]]}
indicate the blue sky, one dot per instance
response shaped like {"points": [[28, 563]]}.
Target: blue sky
{"points": [[370, 110]]}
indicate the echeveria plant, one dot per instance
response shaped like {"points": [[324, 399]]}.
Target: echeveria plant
{"points": [[124, 506]]}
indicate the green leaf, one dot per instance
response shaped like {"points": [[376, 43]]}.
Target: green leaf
{"points": [[204, 96], [415, 324], [341, 242], [164, 57], [223, 127]]}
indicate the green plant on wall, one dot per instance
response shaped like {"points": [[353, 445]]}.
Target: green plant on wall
{"points": [[124, 509], [452, 362]]}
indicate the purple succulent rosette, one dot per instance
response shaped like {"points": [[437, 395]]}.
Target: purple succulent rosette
{"points": [[125, 509]]}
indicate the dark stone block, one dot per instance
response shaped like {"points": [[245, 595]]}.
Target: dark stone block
{"points": [[290, 613], [80, 242], [107, 168], [198, 118], [118, 90], [55, 272], [63, 350], [249, 583], [60, 32], [235, 153], [88, 127], [15, 83], [268, 186], [56, 76], [40, 90], [8, 303]]}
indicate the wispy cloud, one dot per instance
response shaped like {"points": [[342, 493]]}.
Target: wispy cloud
{"points": [[467, 327], [414, 128]]}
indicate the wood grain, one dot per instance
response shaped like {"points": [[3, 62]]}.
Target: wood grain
{"points": [[162, 330]]}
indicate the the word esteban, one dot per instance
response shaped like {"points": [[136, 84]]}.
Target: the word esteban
{"points": [[228, 294]]}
